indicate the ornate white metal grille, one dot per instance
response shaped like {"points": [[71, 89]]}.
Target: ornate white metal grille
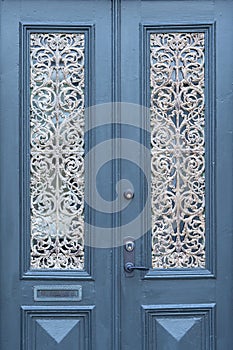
{"points": [[57, 150], [178, 150]]}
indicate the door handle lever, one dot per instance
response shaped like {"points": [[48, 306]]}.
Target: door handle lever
{"points": [[130, 267]]}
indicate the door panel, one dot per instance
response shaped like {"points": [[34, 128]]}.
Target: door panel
{"points": [[57, 327], [57, 164], [56, 84], [177, 304], [49, 55], [154, 170], [178, 149], [182, 148]]}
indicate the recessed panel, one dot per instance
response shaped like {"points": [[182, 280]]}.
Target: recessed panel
{"points": [[53, 328], [179, 327]]}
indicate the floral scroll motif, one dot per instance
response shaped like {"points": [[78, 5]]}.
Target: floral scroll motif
{"points": [[57, 150], [177, 150]]}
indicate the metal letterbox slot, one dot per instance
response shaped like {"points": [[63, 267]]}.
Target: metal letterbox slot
{"points": [[58, 293]]}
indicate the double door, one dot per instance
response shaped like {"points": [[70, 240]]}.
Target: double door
{"points": [[116, 175]]}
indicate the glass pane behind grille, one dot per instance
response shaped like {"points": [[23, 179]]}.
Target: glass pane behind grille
{"points": [[57, 150], [177, 150]]}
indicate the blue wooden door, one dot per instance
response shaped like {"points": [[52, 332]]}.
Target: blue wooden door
{"points": [[116, 175], [176, 59], [52, 68]]}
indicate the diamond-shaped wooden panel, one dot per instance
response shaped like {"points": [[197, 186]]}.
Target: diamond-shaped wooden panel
{"points": [[58, 331], [179, 333], [179, 327], [57, 328]]}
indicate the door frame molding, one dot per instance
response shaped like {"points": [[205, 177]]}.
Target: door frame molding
{"points": [[209, 29]]}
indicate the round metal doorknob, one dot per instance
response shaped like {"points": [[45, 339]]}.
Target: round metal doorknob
{"points": [[128, 194]]}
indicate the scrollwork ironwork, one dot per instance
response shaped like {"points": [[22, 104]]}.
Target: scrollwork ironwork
{"points": [[177, 150], [57, 150]]}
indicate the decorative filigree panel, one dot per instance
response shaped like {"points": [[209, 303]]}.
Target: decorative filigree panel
{"points": [[57, 150], [178, 150]]}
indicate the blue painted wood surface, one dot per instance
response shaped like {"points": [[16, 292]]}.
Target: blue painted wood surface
{"points": [[179, 309]]}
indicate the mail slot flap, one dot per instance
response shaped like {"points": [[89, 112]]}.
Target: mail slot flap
{"points": [[58, 293]]}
